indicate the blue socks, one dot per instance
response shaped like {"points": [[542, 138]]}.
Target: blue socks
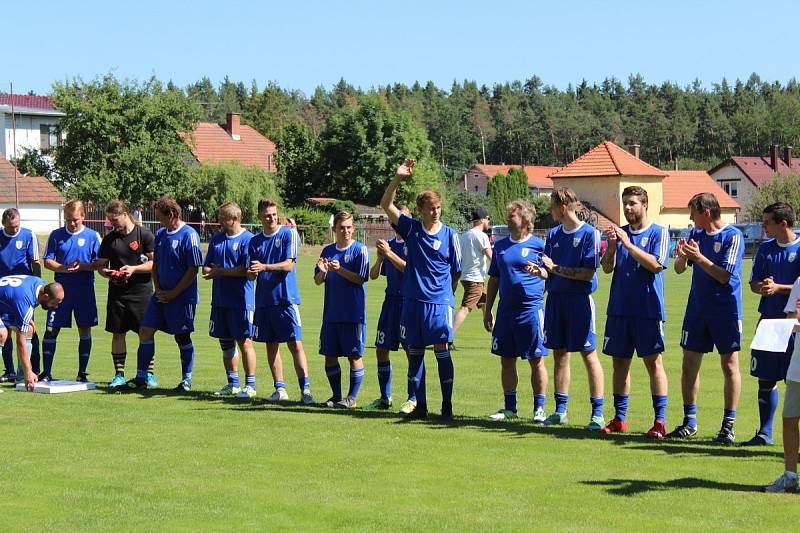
{"points": [[767, 406], [620, 407], [233, 378], [84, 351], [690, 414], [33, 351], [334, 374], [729, 416], [446, 373], [561, 402], [385, 379], [147, 349], [416, 375], [356, 377], [304, 382], [660, 408], [538, 401], [48, 354], [597, 406], [8, 355], [510, 401], [280, 385], [250, 380], [187, 361]]}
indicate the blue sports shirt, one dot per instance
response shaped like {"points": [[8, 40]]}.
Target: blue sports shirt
{"points": [[635, 291], [579, 248], [17, 252], [231, 252], [394, 276], [18, 300], [175, 253], [782, 263], [66, 247], [432, 259], [276, 288], [518, 289], [708, 298], [346, 301]]}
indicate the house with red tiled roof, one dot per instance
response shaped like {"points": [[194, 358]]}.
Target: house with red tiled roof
{"points": [[39, 201], [600, 175], [232, 141], [741, 176], [27, 123], [477, 178]]}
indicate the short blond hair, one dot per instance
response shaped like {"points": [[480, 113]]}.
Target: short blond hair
{"points": [[74, 205], [564, 196], [341, 216], [427, 196], [230, 210]]}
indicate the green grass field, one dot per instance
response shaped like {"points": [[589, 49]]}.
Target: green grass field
{"points": [[97, 461]]}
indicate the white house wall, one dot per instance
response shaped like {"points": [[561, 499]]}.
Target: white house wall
{"points": [[745, 188], [39, 218], [27, 133]]}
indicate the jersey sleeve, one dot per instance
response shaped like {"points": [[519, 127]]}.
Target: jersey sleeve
{"points": [[455, 255], [194, 255], [732, 252], [591, 250], [759, 272], [494, 269], [361, 263], [211, 254], [404, 225], [96, 246], [289, 246], [50, 251], [33, 249], [791, 303], [659, 246]]}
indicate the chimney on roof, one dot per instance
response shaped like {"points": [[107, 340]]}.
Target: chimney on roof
{"points": [[233, 120], [773, 157], [787, 155], [634, 150]]}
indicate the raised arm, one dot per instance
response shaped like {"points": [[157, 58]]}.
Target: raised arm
{"points": [[387, 201]]}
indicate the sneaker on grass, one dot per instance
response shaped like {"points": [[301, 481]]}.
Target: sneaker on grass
{"points": [[596, 423], [503, 414], [408, 406], [787, 482], [280, 395], [247, 392], [228, 390], [556, 419]]}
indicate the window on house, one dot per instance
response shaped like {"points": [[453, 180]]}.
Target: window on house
{"points": [[731, 188], [48, 136]]}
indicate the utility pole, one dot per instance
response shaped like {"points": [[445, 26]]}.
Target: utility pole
{"points": [[14, 141]]}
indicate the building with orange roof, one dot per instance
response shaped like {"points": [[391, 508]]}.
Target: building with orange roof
{"points": [[215, 143], [600, 175], [477, 178], [40, 201]]}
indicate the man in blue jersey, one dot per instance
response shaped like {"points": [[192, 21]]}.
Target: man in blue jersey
{"points": [[273, 258], [637, 254], [19, 295], [776, 266], [171, 309], [572, 254], [72, 253], [19, 254], [343, 267], [391, 262], [713, 317], [232, 299], [433, 266], [515, 273]]}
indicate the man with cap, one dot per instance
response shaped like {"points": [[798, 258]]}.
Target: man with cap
{"points": [[476, 252]]}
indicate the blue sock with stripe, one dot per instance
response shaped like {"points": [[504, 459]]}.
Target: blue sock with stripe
{"points": [[768, 399], [538, 401], [279, 385], [597, 405], [187, 361], [233, 378], [356, 378], [446, 373], [729, 415], [145, 354], [510, 401], [250, 380], [305, 383], [334, 374], [660, 408], [416, 375], [620, 407], [385, 379], [84, 351], [48, 355], [561, 399], [690, 414]]}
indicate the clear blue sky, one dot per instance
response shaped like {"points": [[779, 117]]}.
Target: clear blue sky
{"points": [[301, 45]]}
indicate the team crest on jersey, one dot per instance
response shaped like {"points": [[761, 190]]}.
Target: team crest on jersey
{"points": [[235, 246], [277, 243], [792, 257], [645, 240], [347, 258], [81, 242], [19, 246], [576, 241], [133, 245], [437, 244], [525, 252], [175, 244], [717, 247]]}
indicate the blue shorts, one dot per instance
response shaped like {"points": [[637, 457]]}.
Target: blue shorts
{"points": [[519, 333], [701, 335], [388, 336], [230, 323], [626, 334], [277, 323], [342, 339], [425, 324], [79, 301], [173, 318], [7, 321], [569, 322]]}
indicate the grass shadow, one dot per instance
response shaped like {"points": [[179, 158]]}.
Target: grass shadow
{"points": [[635, 487]]}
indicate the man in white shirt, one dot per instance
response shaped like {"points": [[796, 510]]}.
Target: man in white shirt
{"points": [[476, 252]]}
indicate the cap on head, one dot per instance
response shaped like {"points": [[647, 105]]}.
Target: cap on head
{"points": [[478, 214]]}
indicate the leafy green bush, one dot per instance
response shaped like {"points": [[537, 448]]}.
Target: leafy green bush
{"points": [[312, 224], [213, 185]]}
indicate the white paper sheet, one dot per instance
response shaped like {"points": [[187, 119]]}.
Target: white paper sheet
{"points": [[58, 387], [772, 335]]}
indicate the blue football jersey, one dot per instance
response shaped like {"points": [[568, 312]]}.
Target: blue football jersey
{"points": [[17, 252], [432, 259], [708, 298], [635, 291], [781, 262], [231, 252], [276, 288], [579, 248], [346, 301], [66, 247], [18, 300], [175, 253], [518, 289], [394, 276]]}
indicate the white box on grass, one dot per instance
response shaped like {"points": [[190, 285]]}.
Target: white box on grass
{"points": [[57, 387]]}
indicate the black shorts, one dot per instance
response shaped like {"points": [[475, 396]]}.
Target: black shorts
{"points": [[125, 310]]}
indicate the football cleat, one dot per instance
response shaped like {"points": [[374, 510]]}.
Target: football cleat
{"points": [[332, 401], [785, 483], [408, 406], [82, 378], [118, 381], [280, 395], [419, 412], [539, 416], [306, 397], [503, 414], [447, 410], [684, 431], [132, 385], [247, 392], [347, 403], [183, 386], [8, 377], [759, 440], [228, 390], [616, 426], [726, 434], [152, 383], [596, 423], [381, 404], [658, 431], [556, 419], [45, 378]]}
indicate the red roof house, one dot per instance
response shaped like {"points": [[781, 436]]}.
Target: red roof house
{"points": [[232, 141]]}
